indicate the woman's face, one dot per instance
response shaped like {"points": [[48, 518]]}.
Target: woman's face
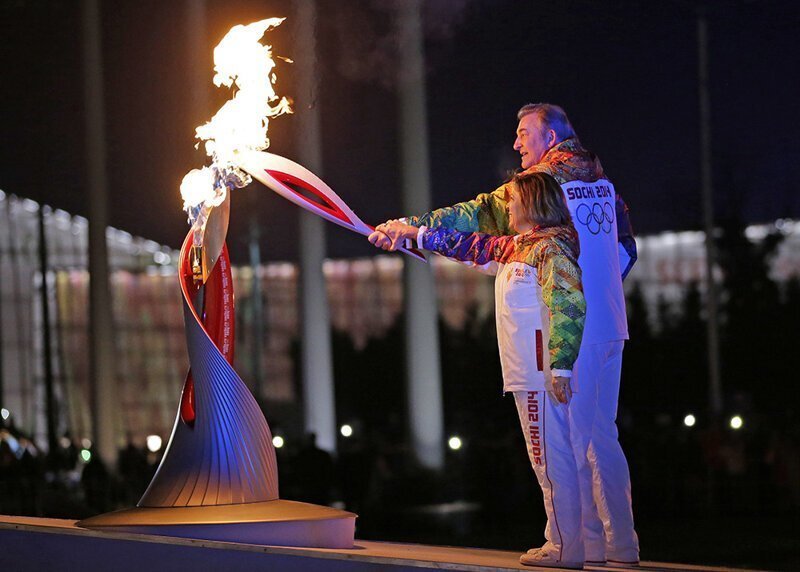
{"points": [[517, 217]]}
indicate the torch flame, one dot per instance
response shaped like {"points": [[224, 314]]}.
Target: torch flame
{"points": [[241, 124], [198, 188], [243, 121]]}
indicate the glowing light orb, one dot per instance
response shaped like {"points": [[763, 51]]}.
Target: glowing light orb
{"points": [[278, 442], [689, 420], [736, 422], [5, 413], [86, 455], [346, 431], [454, 443], [153, 443]]}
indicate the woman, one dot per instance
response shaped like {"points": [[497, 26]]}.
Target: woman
{"points": [[539, 304]]}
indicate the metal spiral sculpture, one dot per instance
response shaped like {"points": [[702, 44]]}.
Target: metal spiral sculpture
{"points": [[218, 479], [221, 448]]}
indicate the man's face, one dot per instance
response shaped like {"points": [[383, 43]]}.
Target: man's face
{"points": [[532, 140]]}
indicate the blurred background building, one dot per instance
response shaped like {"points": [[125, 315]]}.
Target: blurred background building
{"points": [[365, 297]]}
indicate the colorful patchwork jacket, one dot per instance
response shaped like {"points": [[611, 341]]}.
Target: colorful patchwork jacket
{"points": [[538, 296], [568, 161], [608, 249]]}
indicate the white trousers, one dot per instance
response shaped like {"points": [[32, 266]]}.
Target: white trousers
{"points": [[603, 476], [545, 425]]}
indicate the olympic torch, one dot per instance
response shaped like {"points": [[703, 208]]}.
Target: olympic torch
{"points": [[302, 187]]}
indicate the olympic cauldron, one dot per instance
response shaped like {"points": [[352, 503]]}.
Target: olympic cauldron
{"points": [[218, 479]]}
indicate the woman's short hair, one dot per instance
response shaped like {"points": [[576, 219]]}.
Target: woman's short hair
{"points": [[542, 198]]}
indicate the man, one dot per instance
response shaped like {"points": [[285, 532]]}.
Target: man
{"points": [[547, 143]]}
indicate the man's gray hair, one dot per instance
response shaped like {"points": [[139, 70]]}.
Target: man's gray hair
{"points": [[552, 117]]}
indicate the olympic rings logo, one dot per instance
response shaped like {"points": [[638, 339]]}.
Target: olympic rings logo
{"points": [[596, 218]]}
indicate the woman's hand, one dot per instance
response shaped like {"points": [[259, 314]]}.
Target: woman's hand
{"points": [[562, 390], [395, 231]]}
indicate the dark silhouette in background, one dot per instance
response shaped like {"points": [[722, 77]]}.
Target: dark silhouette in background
{"points": [[314, 469]]}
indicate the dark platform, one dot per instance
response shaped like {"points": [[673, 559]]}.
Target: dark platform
{"points": [[32, 544]]}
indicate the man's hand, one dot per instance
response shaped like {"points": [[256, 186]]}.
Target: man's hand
{"points": [[562, 390], [380, 239], [391, 234]]}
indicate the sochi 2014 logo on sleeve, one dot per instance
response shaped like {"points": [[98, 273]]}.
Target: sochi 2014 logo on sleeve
{"points": [[596, 217]]}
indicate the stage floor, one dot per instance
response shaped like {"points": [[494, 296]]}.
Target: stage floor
{"points": [[47, 544]]}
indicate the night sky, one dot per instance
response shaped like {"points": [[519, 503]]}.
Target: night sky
{"points": [[625, 71]]}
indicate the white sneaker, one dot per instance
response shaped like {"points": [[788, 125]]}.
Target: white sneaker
{"points": [[541, 557]]}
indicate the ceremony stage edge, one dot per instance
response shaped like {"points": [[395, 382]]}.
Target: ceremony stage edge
{"points": [[34, 544]]}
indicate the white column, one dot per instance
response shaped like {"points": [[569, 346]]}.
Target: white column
{"points": [[712, 290], [200, 63], [105, 407], [424, 379], [317, 365]]}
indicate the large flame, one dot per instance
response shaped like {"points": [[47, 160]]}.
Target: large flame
{"points": [[242, 123], [198, 187]]}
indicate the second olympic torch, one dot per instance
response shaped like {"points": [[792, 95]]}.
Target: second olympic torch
{"points": [[302, 187]]}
